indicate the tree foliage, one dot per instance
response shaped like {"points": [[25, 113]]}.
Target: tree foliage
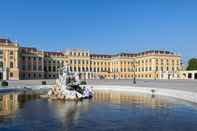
{"points": [[192, 64]]}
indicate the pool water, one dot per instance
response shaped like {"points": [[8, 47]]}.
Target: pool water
{"points": [[106, 111]]}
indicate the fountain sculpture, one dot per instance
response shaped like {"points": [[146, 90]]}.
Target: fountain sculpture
{"points": [[68, 87]]}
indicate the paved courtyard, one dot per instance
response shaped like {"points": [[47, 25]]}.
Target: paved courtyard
{"points": [[187, 85]]}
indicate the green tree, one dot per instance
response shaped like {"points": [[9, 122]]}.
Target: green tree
{"points": [[192, 64]]}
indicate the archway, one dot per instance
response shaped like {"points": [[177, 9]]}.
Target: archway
{"points": [[189, 75], [195, 76]]}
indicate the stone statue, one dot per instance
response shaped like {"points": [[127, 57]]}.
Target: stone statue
{"points": [[68, 86]]}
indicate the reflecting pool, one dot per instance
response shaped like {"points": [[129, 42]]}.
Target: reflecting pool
{"points": [[107, 111]]}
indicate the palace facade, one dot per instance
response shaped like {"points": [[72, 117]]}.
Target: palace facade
{"points": [[30, 63]]}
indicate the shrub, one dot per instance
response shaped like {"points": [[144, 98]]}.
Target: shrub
{"points": [[4, 83], [44, 82], [83, 83]]}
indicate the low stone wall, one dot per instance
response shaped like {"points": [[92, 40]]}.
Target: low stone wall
{"points": [[184, 95], [179, 94]]}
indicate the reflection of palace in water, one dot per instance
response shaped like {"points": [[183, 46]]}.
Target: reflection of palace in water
{"points": [[8, 104], [126, 98]]}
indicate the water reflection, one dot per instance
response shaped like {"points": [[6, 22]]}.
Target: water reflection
{"points": [[131, 98], [8, 104], [25, 97], [105, 111], [69, 111]]}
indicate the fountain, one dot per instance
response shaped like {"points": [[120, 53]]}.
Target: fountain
{"points": [[68, 87]]}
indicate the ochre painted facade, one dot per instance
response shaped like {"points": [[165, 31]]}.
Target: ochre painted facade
{"points": [[31, 63]]}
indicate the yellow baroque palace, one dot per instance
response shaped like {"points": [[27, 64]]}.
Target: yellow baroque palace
{"points": [[19, 63]]}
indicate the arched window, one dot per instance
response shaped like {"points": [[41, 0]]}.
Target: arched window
{"points": [[190, 75], [11, 65]]}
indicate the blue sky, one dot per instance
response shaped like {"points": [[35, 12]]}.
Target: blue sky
{"points": [[102, 26]]}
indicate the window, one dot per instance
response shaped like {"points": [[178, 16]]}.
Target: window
{"points": [[54, 69], [23, 58], [11, 74], [34, 67], [75, 69], [40, 75], [29, 67], [11, 52], [45, 68], [11, 65], [11, 57], [1, 64], [49, 69], [190, 75], [23, 67], [40, 68], [157, 68], [40, 59], [162, 61], [1, 52], [23, 75]]}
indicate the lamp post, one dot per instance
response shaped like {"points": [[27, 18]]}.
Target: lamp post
{"points": [[134, 70]]}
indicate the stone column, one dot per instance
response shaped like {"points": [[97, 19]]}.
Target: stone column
{"points": [[5, 74], [193, 75]]}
